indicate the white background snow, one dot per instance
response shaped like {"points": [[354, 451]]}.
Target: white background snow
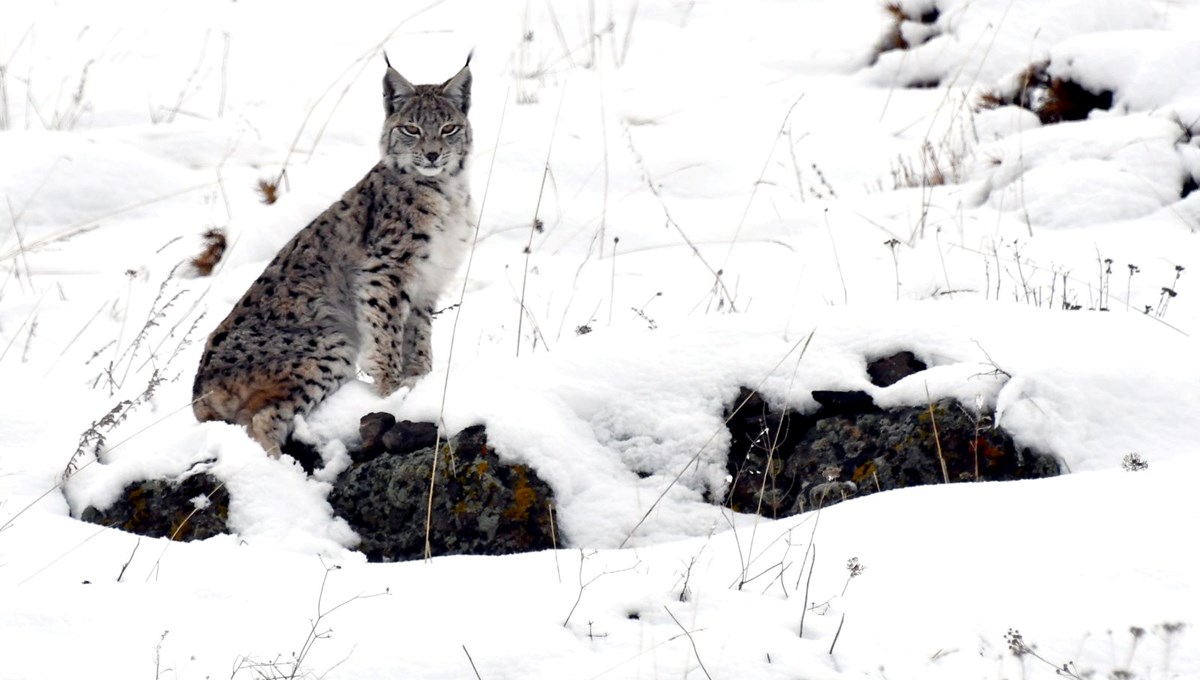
{"points": [[666, 140]]}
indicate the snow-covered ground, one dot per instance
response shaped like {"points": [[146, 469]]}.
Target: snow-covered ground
{"points": [[728, 194]]}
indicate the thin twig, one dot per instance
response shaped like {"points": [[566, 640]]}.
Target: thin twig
{"points": [[76, 337], [562, 36], [582, 586], [633, 11], [32, 316], [94, 223], [361, 61], [759, 180], [649, 179], [839, 632], [536, 222], [175, 532], [187, 83], [937, 439], [776, 438], [130, 560], [837, 260], [54, 561], [604, 141], [226, 38], [472, 661], [695, 650], [612, 282], [554, 540], [63, 479], [811, 567], [692, 461]]}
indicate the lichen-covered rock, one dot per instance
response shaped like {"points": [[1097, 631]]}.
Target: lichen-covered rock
{"points": [[481, 505], [784, 463], [190, 509]]}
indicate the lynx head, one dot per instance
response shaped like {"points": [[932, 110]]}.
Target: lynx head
{"points": [[426, 129]]}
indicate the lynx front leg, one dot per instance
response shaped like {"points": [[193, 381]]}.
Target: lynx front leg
{"points": [[417, 351], [384, 310]]}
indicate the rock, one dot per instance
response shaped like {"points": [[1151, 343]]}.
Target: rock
{"points": [[481, 505], [380, 433], [371, 429], [784, 463], [407, 436], [892, 369], [159, 508], [853, 401]]}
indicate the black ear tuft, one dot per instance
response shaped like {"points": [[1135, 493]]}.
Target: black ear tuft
{"points": [[458, 88]]}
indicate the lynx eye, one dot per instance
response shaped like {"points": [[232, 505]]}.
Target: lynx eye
{"points": [[411, 130], [450, 129]]}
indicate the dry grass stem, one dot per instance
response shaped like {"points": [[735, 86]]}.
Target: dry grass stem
{"points": [[783, 125], [535, 224], [937, 440], [454, 328], [725, 297], [692, 640], [802, 345]]}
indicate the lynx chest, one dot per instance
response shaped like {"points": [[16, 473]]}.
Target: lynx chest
{"points": [[439, 229]]}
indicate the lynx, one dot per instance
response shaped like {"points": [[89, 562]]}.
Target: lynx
{"points": [[359, 283]]}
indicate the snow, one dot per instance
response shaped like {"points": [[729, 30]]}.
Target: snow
{"points": [[761, 139]]}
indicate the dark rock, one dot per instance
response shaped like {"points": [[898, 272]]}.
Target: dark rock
{"points": [[1054, 100], [891, 370], [1067, 100], [407, 436], [757, 432], [756, 428], [371, 429], [847, 402], [159, 508], [794, 463], [481, 505]]}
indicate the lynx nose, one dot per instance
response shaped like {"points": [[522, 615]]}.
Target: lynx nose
{"points": [[432, 156]]}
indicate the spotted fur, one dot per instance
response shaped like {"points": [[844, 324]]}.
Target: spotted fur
{"points": [[358, 285]]}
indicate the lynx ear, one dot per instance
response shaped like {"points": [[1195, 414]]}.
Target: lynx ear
{"points": [[395, 88], [458, 88]]}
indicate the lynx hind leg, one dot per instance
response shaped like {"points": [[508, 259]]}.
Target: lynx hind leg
{"points": [[271, 426], [239, 400], [307, 384], [266, 404]]}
